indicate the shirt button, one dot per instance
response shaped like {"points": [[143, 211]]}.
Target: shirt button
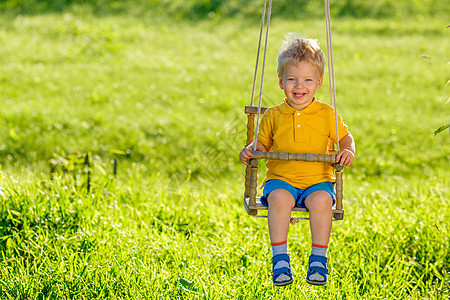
{"points": [[298, 125], [298, 114]]}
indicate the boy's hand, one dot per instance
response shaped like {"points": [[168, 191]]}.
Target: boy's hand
{"points": [[246, 153], [345, 157]]}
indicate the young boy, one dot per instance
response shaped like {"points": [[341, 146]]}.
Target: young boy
{"points": [[300, 124]]}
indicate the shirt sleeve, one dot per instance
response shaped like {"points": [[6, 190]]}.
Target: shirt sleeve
{"points": [[342, 128], [265, 134]]}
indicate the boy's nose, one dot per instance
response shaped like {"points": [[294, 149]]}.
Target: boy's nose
{"points": [[299, 84]]}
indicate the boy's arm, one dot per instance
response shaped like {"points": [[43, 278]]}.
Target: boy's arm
{"points": [[346, 154], [245, 154]]}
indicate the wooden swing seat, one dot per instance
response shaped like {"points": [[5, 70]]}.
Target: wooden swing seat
{"points": [[337, 213], [252, 203]]}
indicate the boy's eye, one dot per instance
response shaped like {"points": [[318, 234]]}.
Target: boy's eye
{"points": [[308, 79], [291, 79]]}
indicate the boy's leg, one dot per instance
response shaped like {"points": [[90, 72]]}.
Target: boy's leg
{"points": [[319, 204], [281, 203]]}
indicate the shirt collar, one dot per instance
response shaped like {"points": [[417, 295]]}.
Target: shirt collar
{"points": [[313, 108]]}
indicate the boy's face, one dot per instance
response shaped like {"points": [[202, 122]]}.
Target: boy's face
{"points": [[300, 82]]}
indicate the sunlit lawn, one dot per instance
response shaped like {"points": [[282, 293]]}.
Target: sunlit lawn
{"points": [[166, 99]]}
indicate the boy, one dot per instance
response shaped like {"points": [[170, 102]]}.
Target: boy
{"points": [[300, 124]]}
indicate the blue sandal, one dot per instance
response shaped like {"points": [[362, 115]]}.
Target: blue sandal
{"points": [[285, 271], [317, 275]]}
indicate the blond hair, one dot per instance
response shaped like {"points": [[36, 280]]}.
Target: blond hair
{"points": [[295, 49]]}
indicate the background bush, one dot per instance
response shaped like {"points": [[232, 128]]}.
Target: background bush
{"points": [[200, 9]]}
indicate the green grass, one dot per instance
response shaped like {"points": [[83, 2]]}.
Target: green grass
{"points": [[59, 243], [166, 98]]}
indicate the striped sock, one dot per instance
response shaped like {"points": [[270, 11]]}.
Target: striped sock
{"points": [[319, 250], [280, 248]]}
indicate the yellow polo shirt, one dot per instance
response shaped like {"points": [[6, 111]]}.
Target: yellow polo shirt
{"points": [[285, 129]]}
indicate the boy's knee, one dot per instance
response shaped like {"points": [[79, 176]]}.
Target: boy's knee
{"points": [[319, 200], [281, 198]]}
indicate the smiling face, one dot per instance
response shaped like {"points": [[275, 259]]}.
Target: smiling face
{"points": [[300, 82]]}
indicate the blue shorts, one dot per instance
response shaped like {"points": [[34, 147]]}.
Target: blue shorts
{"points": [[298, 194]]}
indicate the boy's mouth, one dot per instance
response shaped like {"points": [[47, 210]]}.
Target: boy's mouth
{"points": [[298, 95]]}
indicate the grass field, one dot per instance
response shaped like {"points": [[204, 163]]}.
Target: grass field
{"points": [[165, 98]]}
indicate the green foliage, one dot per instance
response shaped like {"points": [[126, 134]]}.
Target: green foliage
{"points": [[441, 129], [201, 9]]}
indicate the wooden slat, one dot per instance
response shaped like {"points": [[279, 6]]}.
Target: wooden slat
{"points": [[260, 206], [294, 156], [250, 129], [339, 189], [253, 110]]}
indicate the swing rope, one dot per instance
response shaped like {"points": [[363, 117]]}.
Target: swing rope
{"points": [[263, 16], [269, 12], [331, 81]]}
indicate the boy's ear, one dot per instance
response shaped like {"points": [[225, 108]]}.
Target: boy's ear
{"points": [[280, 82], [320, 82]]}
